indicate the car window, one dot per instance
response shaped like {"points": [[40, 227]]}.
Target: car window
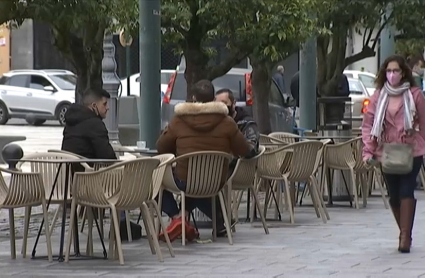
{"points": [[368, 81], [18, 81], [355, 87], [65, 81], [275, 96], [234, 82], [39, 82], [3, 80], [165, 77]]}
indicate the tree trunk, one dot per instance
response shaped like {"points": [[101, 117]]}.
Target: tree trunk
{"points": [[261, 84], [196, 68], [85, 53]]}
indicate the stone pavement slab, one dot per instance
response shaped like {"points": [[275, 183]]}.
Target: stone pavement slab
{"points": [[354, 243]]}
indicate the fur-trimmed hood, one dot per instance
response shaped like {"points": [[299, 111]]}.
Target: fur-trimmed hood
{"points": [[201, 116]]}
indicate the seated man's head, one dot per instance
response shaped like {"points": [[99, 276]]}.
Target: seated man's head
{"points": [[97, 101], [226, 96], [203, 91]]}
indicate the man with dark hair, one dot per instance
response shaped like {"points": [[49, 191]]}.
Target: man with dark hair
{"points": [[85, 134], [245, 122], [203, 125]]}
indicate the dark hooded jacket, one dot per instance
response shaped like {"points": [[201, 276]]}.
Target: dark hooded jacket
{"points": [[201, 127], [85, 134], [249, 129]]}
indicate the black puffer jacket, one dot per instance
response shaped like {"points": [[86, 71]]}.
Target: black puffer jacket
{"points": [[249, 128], [85, 134]]}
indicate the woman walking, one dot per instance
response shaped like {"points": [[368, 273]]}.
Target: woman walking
{"points": [[396, 117]]}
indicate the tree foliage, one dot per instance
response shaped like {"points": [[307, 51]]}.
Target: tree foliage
{"points": [[78, 29], [366, 17]]}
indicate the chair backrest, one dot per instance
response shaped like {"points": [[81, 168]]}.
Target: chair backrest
{"points": [[341, 155], [266, 140], [285, 137], [24, 189], [205, 172], [274, 161], [158, 173], [136, 183], [49, 171], [304, 162], [245, 169], [65, 152]]}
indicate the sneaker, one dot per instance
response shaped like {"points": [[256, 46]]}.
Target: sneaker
{"points": [[174, 230], [221, 232]]}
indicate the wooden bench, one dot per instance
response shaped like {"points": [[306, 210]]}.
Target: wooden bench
{"points": [[6, 139]]}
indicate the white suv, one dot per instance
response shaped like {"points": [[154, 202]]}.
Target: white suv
{"points": [[36, 95]]}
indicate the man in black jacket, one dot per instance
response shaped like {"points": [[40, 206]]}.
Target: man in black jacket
{"points": [[85, 134], [245, 122]]}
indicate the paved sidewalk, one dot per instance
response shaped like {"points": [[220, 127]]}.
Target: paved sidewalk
{"points": [[355, 243]]}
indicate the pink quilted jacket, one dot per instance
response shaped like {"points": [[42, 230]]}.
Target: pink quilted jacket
{"points": [[393, 131]]}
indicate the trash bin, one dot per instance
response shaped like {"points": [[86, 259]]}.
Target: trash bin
{"points": [[333, 124]]}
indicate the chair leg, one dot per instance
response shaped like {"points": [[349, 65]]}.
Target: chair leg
{"points": [[111, 252], [89, 248], [71, 225], [101, 213], [12, 234], [315, 194], [365, 188], [257, 204], [266, 200], [157, 222], [150, 230], [84, 218], [354, 188], [226, 220], [183, 211], [55, 218], [127, 223], [320, 198], [46, 229], [26, 228], [214, 218], [149, 235], [289, 201], [316, 202], [229, 200], [117, 235], [164, 229]]}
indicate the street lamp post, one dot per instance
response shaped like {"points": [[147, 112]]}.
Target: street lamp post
{"points": [[111, 83], [149, 107]]}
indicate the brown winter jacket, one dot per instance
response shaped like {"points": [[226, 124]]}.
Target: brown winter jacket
{"points": [[201, 127]]}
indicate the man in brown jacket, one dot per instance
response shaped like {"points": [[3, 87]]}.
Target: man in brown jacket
{"points": [[203, 125]]}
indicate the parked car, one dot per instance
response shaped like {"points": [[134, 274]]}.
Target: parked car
{"points": [[239, 81], [135, 83], [367, 78], [36, 95], [359, 101]]}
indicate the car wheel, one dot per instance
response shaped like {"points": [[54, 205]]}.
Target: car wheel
{"points": [[4, 114], [61, 111], [36, 122]]}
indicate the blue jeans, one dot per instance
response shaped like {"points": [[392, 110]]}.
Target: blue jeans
{"points": [[169, 204], [403, 186]]}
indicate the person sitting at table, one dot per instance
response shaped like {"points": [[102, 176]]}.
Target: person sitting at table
{"points": [[85, 134], [203, 125], [245, 122]]}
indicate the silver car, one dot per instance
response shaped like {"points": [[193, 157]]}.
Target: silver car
{"points": [[239, 81], [359, 101]]}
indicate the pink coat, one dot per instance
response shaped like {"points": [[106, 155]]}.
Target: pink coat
{"points": [[393, 131]]}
